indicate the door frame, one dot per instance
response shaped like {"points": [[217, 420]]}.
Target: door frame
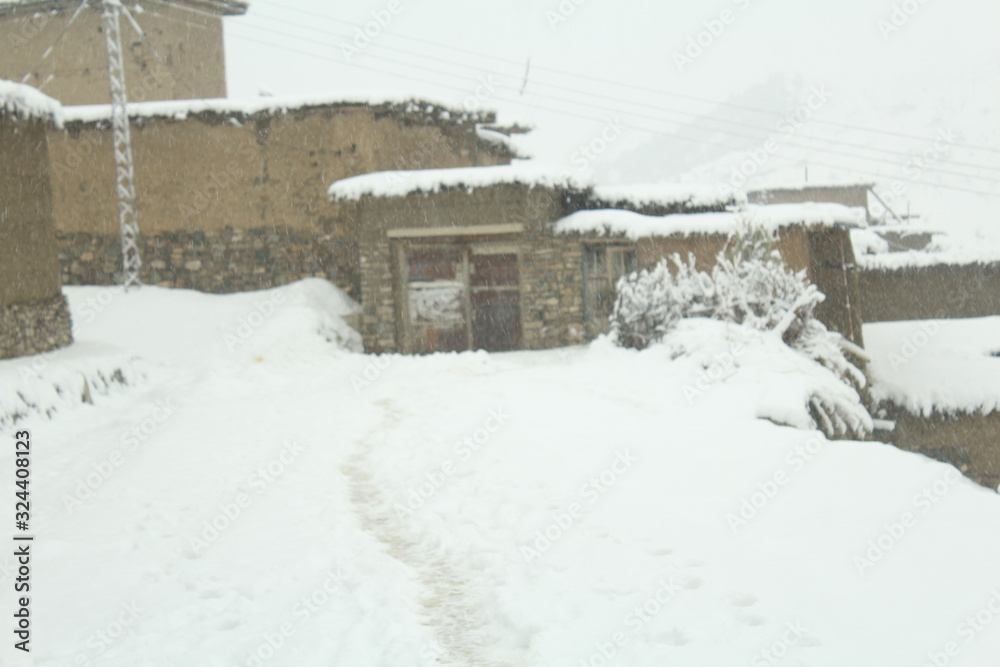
{"points": [[466, 244]]}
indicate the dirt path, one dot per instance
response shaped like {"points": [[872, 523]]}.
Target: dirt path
{"points": [[450, 606]]}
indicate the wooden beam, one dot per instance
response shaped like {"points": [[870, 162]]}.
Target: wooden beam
{"points": [[437, 232]]}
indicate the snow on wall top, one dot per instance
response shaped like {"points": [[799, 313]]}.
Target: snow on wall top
{"points": [[181, 109], [923, 258], [667, 194], [405, 182], [770, 216], [936, 366], [25, 102]]}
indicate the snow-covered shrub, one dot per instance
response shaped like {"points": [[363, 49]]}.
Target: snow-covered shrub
{"points": [[749, 285]]}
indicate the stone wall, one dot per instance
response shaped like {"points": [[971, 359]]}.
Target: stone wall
{"points": [[34, 327], [931, 292], [217, 261], [551, 290]]}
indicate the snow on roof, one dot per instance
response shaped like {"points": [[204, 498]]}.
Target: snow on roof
{"points": [[796, 186], [667, 194], [25, 102], [771, 216], [876, 253], [498, 138], [181, 109], [405, 182]]}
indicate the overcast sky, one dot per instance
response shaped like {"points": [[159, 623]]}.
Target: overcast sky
{"points": [[916, 66]]}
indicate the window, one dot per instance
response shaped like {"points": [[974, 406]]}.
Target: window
{"points": [[603, 265]]}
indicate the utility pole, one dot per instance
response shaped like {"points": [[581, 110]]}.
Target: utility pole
{"points": [[128, 217]]}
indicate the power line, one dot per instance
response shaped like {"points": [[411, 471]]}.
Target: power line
{"points": [[799, 136], [591, 118], [829, 151], [632, 103], [654, 91], [569, 113]]}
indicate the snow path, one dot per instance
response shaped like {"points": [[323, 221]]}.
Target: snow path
{"points": [[452, 612]]}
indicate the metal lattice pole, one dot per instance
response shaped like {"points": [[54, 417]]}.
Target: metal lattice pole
{"points": [[128, 217]]}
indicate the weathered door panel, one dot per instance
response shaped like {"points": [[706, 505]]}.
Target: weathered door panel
{"points": [[494, 285], [436, 300]]}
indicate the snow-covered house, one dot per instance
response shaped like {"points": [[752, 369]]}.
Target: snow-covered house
{"points": [[230, 192], [58, 45], [517, 257], [33, 313]]}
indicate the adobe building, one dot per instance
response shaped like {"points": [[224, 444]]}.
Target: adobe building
{"points": [[849, 194], [230, 193], [509, 258], [34, 317], [180, 57]]}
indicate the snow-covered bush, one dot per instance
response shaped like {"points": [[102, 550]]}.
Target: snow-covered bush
{"points": [[749, 285]]}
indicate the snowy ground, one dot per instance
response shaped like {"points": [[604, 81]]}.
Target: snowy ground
{"points": [[276, 499]]}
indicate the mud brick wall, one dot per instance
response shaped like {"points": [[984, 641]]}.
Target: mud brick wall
{"points": [[34, 327], [968, 441], [930, 292], [217, 261], [230, 201], [77, 72], [33, 313]]}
